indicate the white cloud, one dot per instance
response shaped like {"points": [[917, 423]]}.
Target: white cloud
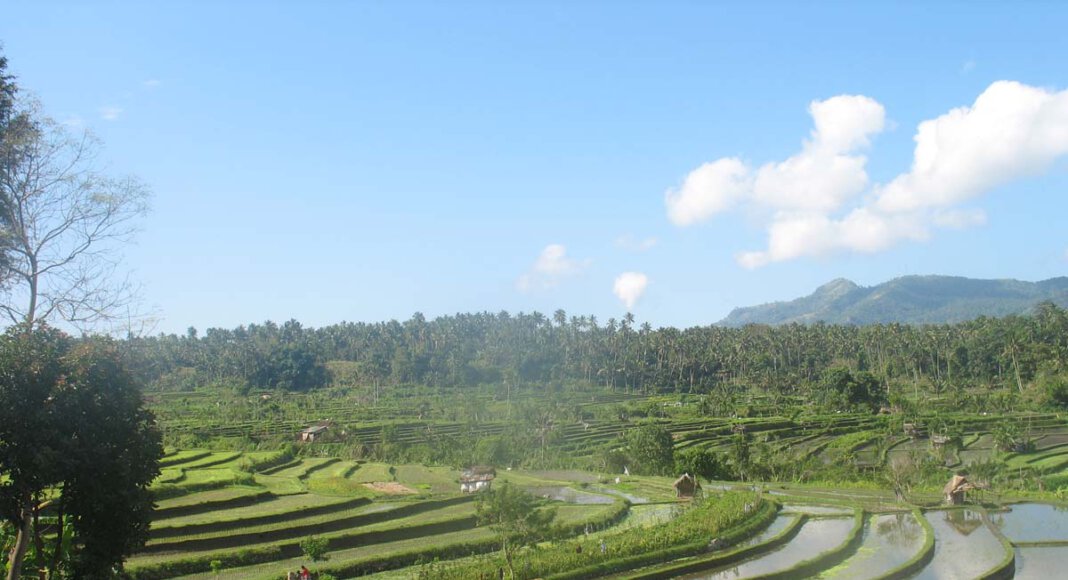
{"points": [[110, 113], [846, 122], [820, 202], [710, 189], [629, 242], [826, 172], [151, 83], [967, 67], [629, 288], [1011, 131], [863, 230], [550, 268], [959, 219]]}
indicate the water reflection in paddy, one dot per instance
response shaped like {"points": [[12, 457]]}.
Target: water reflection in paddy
{"points": [[816, 536], [1033, 522], [819, 510], [889, 541], [1041, 563], [778, 525], [964, 546], [569, 495]]}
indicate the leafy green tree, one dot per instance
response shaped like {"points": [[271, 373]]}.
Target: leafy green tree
{"points": [[702, 462], [516, 517], [841, 388], [315, 548], [615, 460], [72, 420], [8, 93], [1056, 390], [652, 450], [741, 456]]}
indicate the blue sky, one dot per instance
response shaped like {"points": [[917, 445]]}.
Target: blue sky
{"points": [[331, 161]]}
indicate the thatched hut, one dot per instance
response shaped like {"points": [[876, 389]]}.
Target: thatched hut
{"points": [[956, 490], [477, 478], [686, 486], [312, 433]]}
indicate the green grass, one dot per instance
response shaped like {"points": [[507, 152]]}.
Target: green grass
{"points": [[284, 504], [209, 496], [280, 485], [295, 519], [278, 569], [371, 472], [433, 516]]}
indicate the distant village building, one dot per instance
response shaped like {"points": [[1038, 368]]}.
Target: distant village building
{"points": [[912, 430], [738, 429], [476, 478], [686, 486], [939, 440], [312, 433], [956, 490]]}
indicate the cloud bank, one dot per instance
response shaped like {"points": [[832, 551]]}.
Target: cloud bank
{"points": [[820, 201], [550, 268], [629, 288]]}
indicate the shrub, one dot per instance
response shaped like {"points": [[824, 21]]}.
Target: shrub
{"points": [[314, 548]]}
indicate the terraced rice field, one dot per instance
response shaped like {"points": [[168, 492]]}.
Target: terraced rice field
{"points": [[889, 541], [816, 536], [965, 547], [382, 517], [246, 513]]}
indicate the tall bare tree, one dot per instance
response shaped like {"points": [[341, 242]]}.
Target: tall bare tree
{"points": [[65, 223]]}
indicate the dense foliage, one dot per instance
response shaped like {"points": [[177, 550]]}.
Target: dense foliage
{"points": [[525, 349], [76, 440]]}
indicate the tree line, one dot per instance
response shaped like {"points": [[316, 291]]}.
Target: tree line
{"points": [[552, 352]]}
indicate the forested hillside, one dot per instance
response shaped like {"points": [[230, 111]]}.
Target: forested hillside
{"points": [[532, 349], [907, 300]]}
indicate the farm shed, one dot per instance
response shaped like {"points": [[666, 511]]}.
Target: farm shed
{"points": [[956, 489], [476, 478], [311, 433], [686, 486]]}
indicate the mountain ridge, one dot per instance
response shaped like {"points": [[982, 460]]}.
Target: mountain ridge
{"points": [[928, 299]]}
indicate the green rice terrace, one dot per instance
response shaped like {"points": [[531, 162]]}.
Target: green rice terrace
{"points": [[376, 491]]}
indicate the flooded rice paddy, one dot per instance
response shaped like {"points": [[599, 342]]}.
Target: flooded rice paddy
{"points": [[1033, 522], [569, 495], [778, 525], [816, 510], [815, 537], [890, 540], [1041, 563], [965, 547]]}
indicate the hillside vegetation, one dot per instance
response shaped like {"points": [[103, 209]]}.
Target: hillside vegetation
{"points": [[907, 300], [811, 441]]}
